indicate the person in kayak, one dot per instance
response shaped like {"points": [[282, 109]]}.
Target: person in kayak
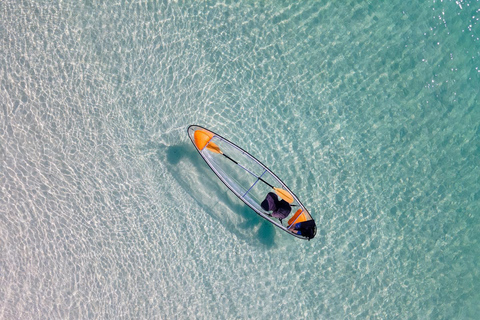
{"points": [[305, 228], [280, 209]]}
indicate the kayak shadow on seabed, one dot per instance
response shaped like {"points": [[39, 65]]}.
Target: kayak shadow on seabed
{"points": [[195, 177]]}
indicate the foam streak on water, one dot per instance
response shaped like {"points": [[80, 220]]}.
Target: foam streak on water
{"points": [[367, 111]]}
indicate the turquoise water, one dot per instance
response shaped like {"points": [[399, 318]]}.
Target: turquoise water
{"points": [[369, 112]]}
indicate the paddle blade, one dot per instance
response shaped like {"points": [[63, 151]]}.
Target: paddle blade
{"points": [[202, 137], [214, 148], [285, 195]]}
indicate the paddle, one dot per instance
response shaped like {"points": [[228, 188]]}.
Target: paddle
{"points": [[284, 194]]}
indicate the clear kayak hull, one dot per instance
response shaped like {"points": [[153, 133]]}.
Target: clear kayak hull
{"points": [[250, 180]]}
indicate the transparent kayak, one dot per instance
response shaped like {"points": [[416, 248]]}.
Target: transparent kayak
{"points": [[251, 181]]}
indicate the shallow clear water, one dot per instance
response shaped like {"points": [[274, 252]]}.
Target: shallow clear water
{"points": [[369, 112]]}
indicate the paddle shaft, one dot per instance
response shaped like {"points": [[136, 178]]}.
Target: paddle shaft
{"points": [[268, 184], [285, 195]]}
